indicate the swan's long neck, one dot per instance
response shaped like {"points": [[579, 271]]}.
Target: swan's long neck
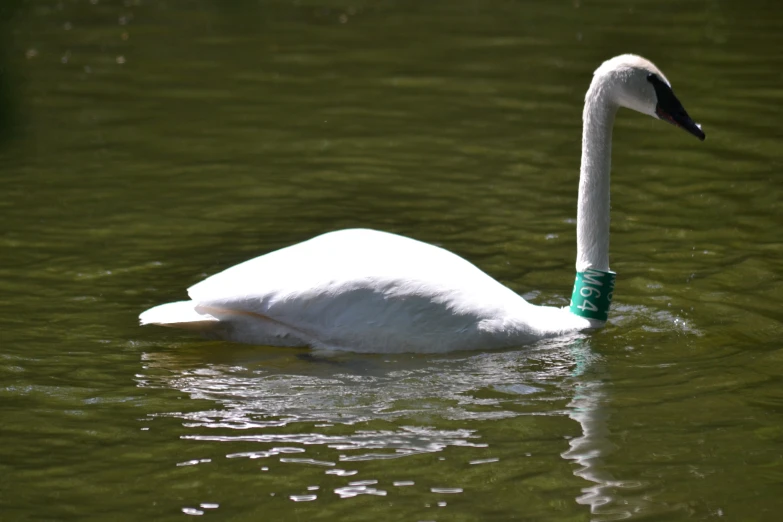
{"points": [[592, 217]]}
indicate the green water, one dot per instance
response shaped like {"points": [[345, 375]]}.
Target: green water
{"points": [[149, 144]]}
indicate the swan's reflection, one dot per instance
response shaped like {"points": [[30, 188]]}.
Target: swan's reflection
{"points": [[286, 400], [588, 407], [403, 397]]}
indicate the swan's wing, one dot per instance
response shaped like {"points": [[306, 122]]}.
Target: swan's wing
{"points": [[360, 287]]}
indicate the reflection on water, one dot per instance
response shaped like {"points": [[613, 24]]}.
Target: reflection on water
{"points": [[333, 411], [325, 391], [589, 450]]}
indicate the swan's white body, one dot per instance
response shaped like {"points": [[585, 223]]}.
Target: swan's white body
{"points": [[364, 290], [369, 291]]}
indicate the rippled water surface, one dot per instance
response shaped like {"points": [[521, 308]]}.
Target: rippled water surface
{"points": [[146, 145]]}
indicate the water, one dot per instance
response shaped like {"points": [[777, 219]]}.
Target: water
{"points": [[148, 144]]}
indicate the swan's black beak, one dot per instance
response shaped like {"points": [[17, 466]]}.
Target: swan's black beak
{"points": [[677, 116], [670, 109]]}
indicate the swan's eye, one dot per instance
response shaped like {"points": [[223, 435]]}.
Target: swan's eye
{"points": [[652, 78]]}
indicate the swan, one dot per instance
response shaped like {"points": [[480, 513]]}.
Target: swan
{"points": [[369, 291]]}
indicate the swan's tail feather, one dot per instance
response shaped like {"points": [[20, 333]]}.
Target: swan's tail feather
{"points": [[181, 314]]}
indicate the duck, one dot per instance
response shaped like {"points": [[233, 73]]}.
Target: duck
{"points": [[369, 291]]}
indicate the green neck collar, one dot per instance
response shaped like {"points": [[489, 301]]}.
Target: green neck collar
{"points": [[593, 292]]}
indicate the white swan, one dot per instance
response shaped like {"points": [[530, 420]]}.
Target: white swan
{"points": [[369, 291]]}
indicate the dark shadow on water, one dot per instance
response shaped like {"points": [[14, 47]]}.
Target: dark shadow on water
{"points": [[9, 101]]}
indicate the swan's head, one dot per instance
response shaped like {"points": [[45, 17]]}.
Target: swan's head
{"points": [[636, 83]]}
